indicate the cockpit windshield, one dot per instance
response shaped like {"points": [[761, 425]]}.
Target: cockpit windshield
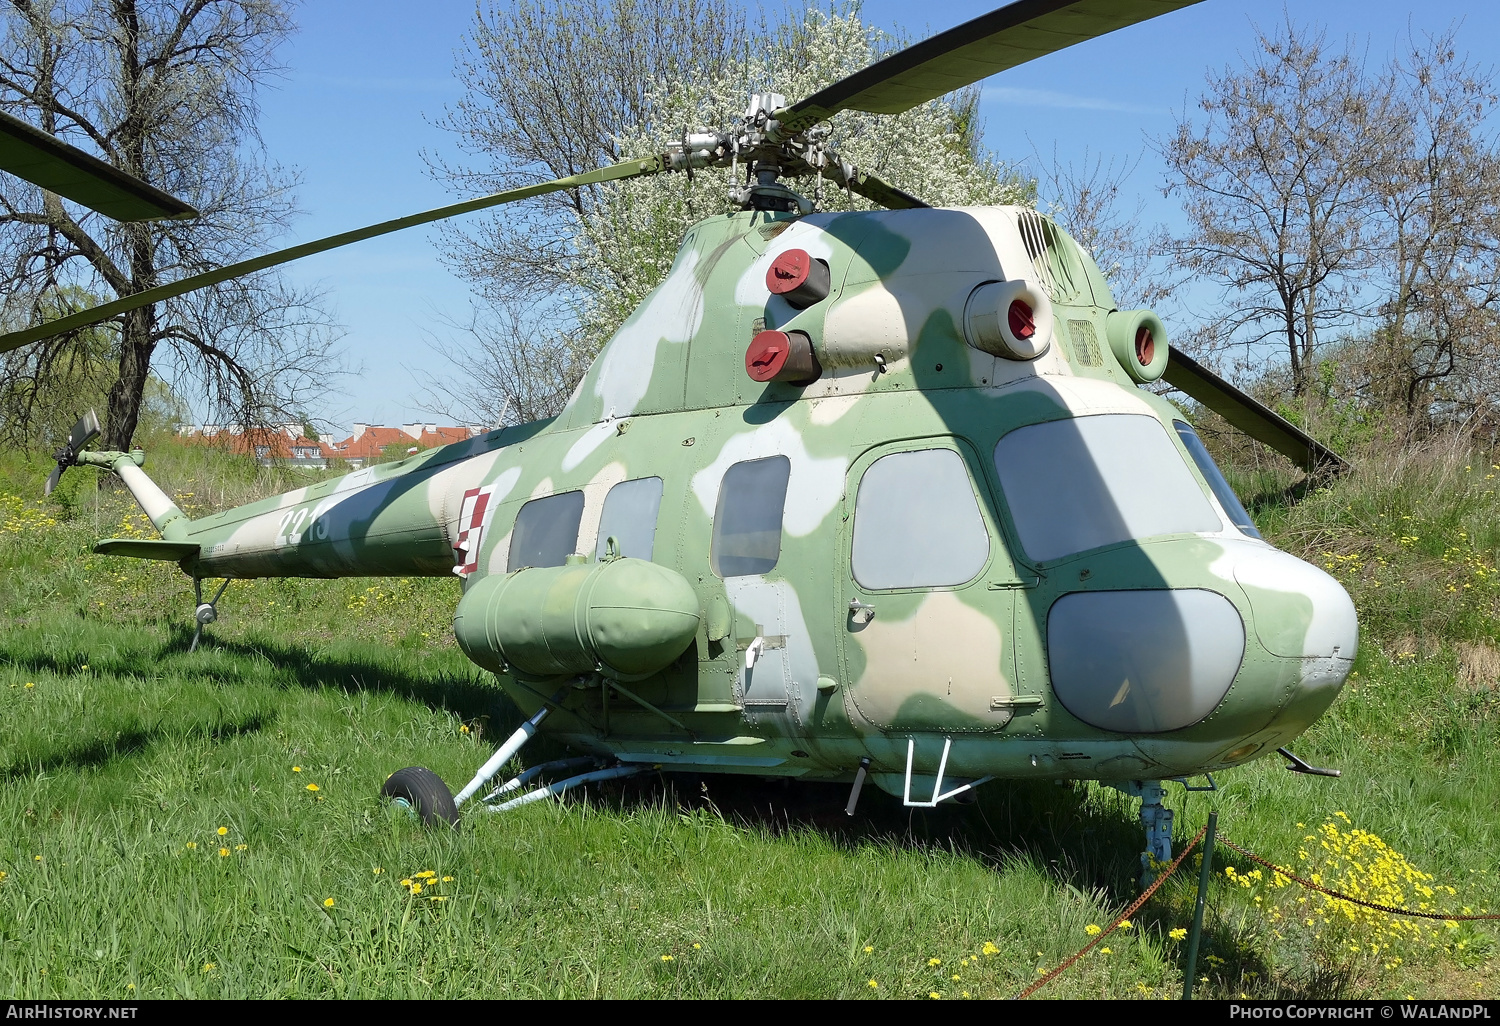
{"points": [[1081, 483], [1233, 508]]}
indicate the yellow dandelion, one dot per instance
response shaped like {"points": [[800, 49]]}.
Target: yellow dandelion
{"points": [[1093, 930], [426, 874], [209, 967], [666, 958], [404, 883], [416, 888], [1179, 934], [868, 949], [447, 879], [697, 947], [934, 961], [955, 976], [328, 903], [241, 847], [313, 787], [223, 831], [192, 846], [1126, 924], [130, 986], [464, 729], [296, 769], [934, 995], [1105, 951], [223, 853], [872, 983], [990, 949], [436, 897]]}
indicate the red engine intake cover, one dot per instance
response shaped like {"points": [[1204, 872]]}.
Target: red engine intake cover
{"points": [[788, 272], [767, 355]]}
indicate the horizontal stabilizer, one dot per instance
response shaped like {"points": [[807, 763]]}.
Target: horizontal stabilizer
{"points": [[147, 548], [1254, 418]]}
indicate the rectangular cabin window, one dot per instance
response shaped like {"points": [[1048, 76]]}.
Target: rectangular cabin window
{"points": [[747, 522], [917, 523], [629, 517], [1085, 482], [546, 531]]}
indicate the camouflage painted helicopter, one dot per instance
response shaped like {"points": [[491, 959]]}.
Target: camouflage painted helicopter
{"points": [[850, 496]]}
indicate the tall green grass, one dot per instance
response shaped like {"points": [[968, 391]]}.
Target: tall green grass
{"points": [[122, 756]]}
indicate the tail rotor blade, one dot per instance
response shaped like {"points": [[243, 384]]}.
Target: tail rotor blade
{"points": [[93, 315], [84, 432]]}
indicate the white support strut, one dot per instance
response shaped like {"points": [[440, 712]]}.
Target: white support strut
{"points": [[512, 745], [565, 785], [938, 795]]}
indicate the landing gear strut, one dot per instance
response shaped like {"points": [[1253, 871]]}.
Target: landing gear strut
{"points": [[1157, 820], [206, 612]]}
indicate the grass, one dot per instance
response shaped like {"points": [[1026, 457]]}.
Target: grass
{"points": [[123, 756]]}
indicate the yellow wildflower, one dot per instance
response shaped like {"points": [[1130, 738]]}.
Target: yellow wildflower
{"points": [[447, 879], [192, 846], [874, 984], [296, 769], [223, 831], [377, 871], [223, 853], [934, 961], [666, 958], [426, 874], [328, 903], [990, 949], [241, 847], [209, 967], [313, 787], [1105, 951], [1093, 930], [1178, 934], [1126, 924], [868, 949]]}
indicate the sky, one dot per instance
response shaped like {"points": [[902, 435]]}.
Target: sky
{"points": [[365, 83]]}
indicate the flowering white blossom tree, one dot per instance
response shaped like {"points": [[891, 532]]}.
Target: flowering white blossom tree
{"points": [[620, 239]]}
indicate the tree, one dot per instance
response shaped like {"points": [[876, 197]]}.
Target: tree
{"points": [[557, 292], [1436, 201], [1276, 188], [165, 90]]}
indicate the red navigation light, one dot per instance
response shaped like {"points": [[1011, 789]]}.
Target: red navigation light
{"points": [[1022, 324]]}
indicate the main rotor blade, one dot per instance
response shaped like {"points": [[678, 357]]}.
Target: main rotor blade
{"points": [[44, 160], [1255, 419], [977, 49], [95, 314], [847, 176]]}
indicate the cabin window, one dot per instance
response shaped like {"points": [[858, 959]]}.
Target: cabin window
{"points": [[917, 523], [1084, 482], [546, 531], [747, 522], [1233, 508], [629, 517]]}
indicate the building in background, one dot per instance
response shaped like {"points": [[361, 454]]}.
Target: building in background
{"points": [[290, 443]]}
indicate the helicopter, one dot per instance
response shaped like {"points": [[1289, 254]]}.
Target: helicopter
{"points": [[851, 497]]}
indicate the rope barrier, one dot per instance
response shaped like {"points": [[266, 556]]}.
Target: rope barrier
{"points": [[1350, 898], [1068, 963]]}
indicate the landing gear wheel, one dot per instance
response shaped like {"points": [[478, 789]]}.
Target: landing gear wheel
{"points": [[422, 790]]}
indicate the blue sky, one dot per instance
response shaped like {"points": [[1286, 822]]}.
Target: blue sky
{"points": [[366, 81]]}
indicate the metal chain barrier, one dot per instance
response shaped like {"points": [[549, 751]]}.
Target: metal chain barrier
{"points": [[1350, 898], [1068, 963]]}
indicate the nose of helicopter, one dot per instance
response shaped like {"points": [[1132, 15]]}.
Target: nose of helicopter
{"points": [[1300, 613]]}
